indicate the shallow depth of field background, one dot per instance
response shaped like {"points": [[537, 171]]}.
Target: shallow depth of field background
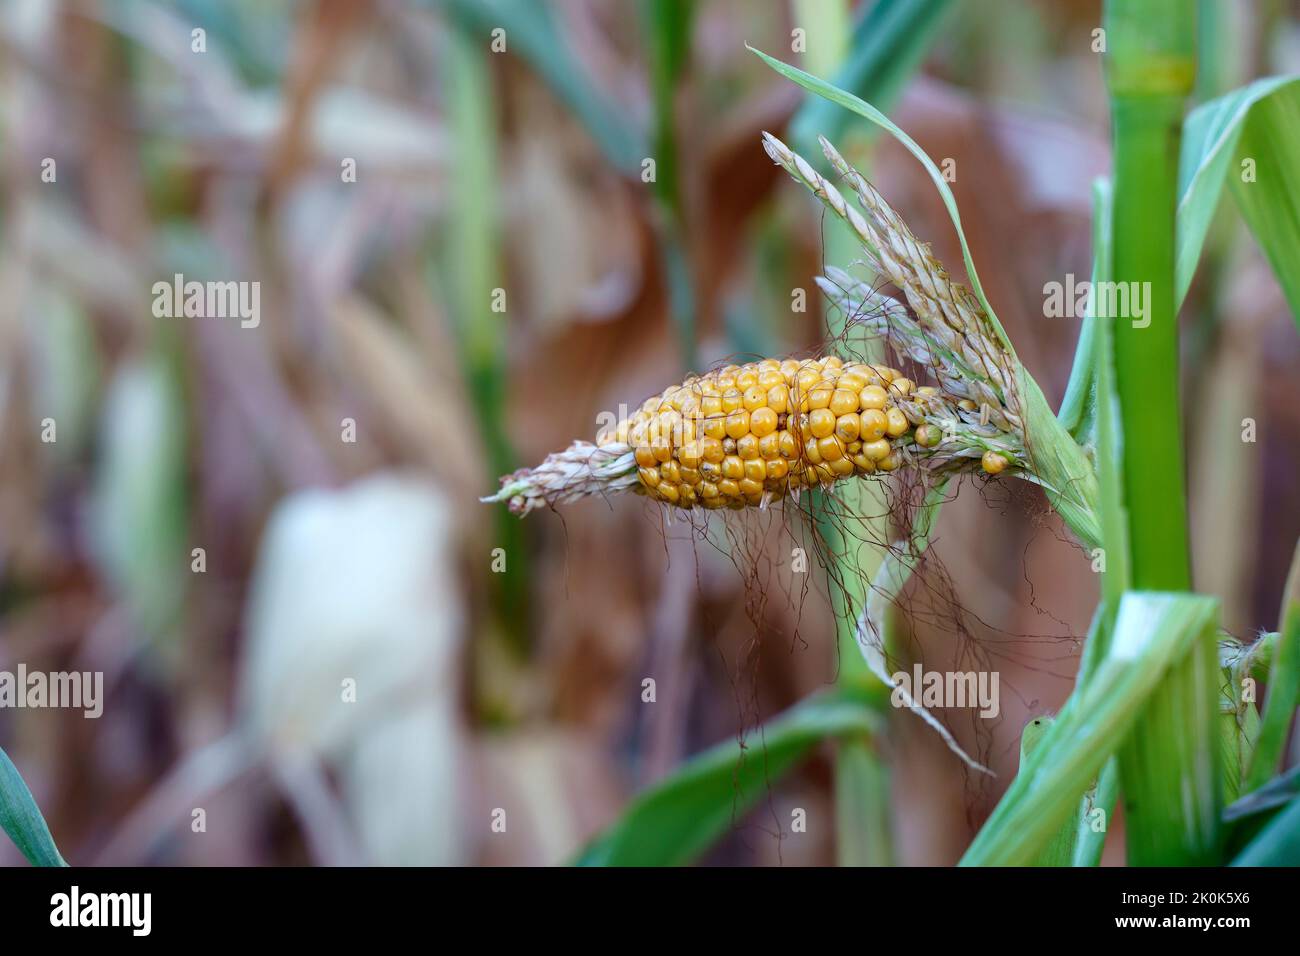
{"points": [[372, 561]]}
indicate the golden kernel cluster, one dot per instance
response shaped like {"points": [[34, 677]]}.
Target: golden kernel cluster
{"points": [[743, 433]]}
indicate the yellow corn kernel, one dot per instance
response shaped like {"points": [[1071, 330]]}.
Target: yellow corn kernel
{"points": [[762, 422], [872, 397], [896, 423], [821, 422], [848, 427], [876, 450], [993, 462], [830, 448], [843, 401], [872, 424], [738, 424]]}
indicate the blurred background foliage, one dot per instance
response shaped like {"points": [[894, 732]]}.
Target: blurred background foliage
{"points": [[520, 168]]}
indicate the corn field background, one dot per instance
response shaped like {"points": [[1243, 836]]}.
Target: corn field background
{"points": [[482, 229]]}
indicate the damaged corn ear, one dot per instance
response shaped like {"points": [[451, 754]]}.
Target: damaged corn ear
{"points": [[749, 434]]}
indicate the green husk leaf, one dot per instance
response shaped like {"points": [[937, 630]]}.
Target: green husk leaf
{"points": [[900, 561], [1078, 411]]}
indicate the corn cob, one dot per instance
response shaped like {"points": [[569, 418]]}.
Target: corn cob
{"points": [[746, 435]]}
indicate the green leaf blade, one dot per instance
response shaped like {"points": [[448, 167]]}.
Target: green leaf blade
{"points": [[888, 43], [21, 818], [676, 820], [1154, 632], [1283, 691], [1261, 123]]}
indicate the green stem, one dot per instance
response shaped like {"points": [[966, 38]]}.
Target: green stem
{"points": [[862, 803], [1168, 766], [1147, 127]]}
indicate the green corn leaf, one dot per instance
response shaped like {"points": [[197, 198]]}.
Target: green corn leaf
{"points": [[678, 819], [1258, 124], [531, 31], [1090, 839], [1276, 793], [473, 269], [1277, 844], [1110, 436], [1059, 850], [22, 819], [1154, 632], [889, 41], [1078, 411]]}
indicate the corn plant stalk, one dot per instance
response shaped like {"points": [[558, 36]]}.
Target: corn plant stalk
{"points": [[1150, 73], [863, 824], [1168, 768]]}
